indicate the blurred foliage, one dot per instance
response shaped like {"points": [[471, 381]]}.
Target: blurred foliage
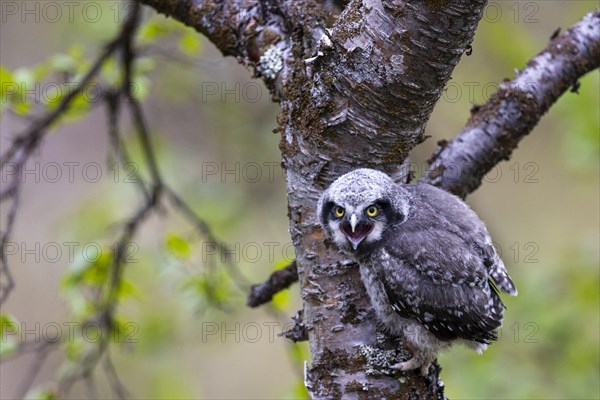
{"points": [[575, 115], [41, 394], [9, 326], [182, 325]]}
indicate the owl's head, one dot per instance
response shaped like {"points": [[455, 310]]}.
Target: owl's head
{"points": [[359, 205]]}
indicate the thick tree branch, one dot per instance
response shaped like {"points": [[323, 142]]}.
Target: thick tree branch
{"points": [[233, 26], [495, 129], [257, 32]]}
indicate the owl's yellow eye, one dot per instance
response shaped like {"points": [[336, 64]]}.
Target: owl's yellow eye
{"points": [[372, 211], [339, 212]]}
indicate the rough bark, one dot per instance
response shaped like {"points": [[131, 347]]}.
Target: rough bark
{"points": [[358, 94]]}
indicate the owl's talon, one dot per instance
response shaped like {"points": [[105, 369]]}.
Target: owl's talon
{"points": [[410, 365]]}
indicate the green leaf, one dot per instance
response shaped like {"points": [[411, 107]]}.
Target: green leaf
{"points": [[178, 246], [73, 348], [23, 80], [144, 65], [76, 52], [127, 289], [8, 85], [8, 325], [153, 29], [81, 105], [211, 289], [41, 70], [81, 265], [190, 43], [142, 87], [41, 394], [281, 299], [53, 95], [63, 62], [299, 352], [300, 391], [80, 307], [5, 75], [24, 76], [22, 108], [281, 263], [90, 269], [111, 72]]}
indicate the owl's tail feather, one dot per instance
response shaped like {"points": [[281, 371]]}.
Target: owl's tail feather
{"points": [[501, 278]]}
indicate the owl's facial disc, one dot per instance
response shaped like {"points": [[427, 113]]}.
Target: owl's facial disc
{"points": [[356, 229]]}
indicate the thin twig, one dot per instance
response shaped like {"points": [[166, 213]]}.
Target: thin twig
{"points": [[90, 384], [25, 144], [33, 371], [279, 280], [5, 238], [113, 378], [30, 138], [120, 152]]}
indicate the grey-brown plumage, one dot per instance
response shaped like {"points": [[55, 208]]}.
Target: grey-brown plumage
{"points": [[426, 259]]}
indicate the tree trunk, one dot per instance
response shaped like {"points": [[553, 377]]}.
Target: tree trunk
{"points": [[363, 103]]}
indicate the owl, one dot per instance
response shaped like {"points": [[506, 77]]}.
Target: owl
{"points": [[427, 262]]}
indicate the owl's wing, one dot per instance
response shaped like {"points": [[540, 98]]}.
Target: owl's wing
{"points": [[438, 273], [453, 225], [448, 312]]}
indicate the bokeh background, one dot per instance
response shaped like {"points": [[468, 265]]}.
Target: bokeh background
{"points": [[212, 127]]}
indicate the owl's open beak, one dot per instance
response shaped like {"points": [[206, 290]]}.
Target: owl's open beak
{"points": [[356, 229]]}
